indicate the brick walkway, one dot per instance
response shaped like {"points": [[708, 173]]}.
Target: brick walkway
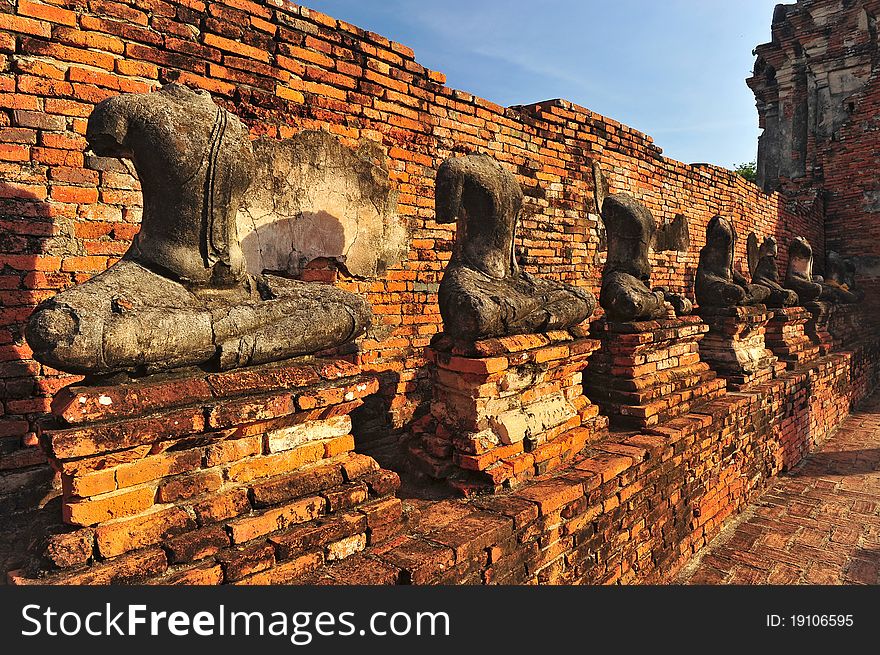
{"points": [[819, 524]]}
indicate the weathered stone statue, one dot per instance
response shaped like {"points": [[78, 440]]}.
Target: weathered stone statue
{"points": [[799, 276], [625, 294], [765, 272], [840, 275], [717, 283], [181, 295], [811, 287], [483, 292]]}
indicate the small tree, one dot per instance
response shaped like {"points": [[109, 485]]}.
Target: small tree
{"points": [[748, 170]]}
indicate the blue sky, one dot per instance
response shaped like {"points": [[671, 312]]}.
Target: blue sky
{"points": [[674, 69]]}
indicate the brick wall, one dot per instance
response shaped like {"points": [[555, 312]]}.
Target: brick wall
{"points": [[633, 508], [818, 95], [66, 214]]}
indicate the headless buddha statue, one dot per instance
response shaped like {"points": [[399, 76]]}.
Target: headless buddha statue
{"points": [[765, 272], [840, 274], [717, 283], [484, 293], [800, 278], [625, 294], [180, 295]]}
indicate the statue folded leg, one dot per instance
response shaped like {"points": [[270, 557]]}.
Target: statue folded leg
{"points": [[303, 318], [132, 319], [478, 306], [626, 298]]}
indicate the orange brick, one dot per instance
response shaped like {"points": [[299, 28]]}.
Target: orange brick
{"points": [[288, 572], [11, 23], [91, 484], [222, 506], [279, 518], [357, 465], [261, 467], [552, 495], [14, 152], [111, 506], [208, 573], [472, 364], [333, 447], [233, 449], [47, 12], [189, 486], [228, 45], [80, 195], [122, 536], [159, 466]]}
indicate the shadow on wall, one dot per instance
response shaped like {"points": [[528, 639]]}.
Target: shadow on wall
{"points": [[28, 275], [313, 245], [372, 423], [294, 242]]}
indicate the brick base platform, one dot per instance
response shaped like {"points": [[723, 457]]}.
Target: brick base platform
{"points": [[734, 346], [817, 326], [253, 469], [787, 339], [634, 508], [846, 325], [506, 409], [650, 371]]}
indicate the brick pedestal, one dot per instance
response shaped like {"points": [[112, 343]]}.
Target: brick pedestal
{"points": [[817, 325], [506, 409], [787, 339], [247, 476], [650, 371], [846, 325], [734, 345]]}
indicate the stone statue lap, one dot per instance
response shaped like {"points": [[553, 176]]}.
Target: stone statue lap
{"points": [[180, 295], [483, 292]]}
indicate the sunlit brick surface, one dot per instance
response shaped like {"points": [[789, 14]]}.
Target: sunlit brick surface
{"points": [[819, 524]]}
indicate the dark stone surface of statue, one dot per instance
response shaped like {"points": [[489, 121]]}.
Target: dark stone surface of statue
{"points": [[840, 275], [717, 283], [626, 295], [181, 295], [765, 271], [799, 275], [800, 278], [483, 292]]}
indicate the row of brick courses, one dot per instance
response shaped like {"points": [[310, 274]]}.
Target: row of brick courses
{"points": [[66, 215], [635, 508], [208, 472]]}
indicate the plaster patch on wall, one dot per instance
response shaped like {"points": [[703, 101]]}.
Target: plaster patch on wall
{"points": [[314, 197]]}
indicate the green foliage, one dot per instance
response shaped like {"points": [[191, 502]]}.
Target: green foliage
{"points": [[748, 170]]}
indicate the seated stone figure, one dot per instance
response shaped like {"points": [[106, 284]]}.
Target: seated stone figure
{"points": [[625, 294], [483, 292], [181, 295], [840, 275], [717, 283], [765, 272], [800, 278]]}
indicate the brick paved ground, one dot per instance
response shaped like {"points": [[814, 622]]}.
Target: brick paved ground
{"points": [[819, 524]]}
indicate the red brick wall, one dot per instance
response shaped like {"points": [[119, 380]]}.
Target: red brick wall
{"points": [[66, 215], [820, 68]]}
